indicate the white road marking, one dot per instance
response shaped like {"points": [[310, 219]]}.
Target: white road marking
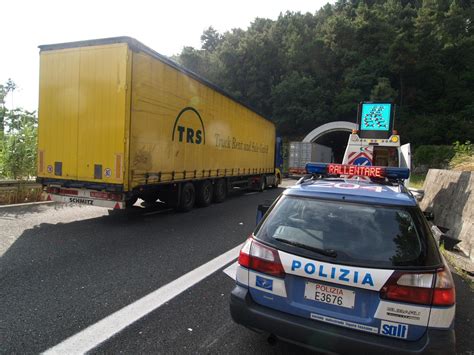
{"points": [[99, 332], [231, 270]]}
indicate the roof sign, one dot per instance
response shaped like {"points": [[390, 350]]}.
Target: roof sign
{"points": [[358, 170]]}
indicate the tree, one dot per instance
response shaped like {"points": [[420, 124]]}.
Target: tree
{"points": [[18, 159], [210, 39], [18, 138], [308, 69], [383, 91], [5, 89]]}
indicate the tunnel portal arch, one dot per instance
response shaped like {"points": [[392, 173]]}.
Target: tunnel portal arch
{"points": [[334, 135], [336, 126]]}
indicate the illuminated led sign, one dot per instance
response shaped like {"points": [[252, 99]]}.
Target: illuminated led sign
{"points": [[375, 119], [357, 170]]}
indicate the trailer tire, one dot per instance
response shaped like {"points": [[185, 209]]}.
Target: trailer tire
{"points": [[187, 197], [204, 193], [220, 190]]}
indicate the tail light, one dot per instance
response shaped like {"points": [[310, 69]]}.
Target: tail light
{"points": [[53, 190], [444, 292], [435, 289], [106, 195], [68, 192], [256, 256], [114, 196]]}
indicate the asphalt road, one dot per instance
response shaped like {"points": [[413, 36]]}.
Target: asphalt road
{"points": [[63, 268]]}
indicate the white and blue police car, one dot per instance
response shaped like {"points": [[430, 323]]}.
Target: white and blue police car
{"points": [[347, 265]]}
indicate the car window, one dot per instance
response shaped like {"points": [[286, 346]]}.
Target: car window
{"points": [[363, 234]]}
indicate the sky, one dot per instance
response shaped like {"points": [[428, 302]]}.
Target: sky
{"points": [[165, 26]]}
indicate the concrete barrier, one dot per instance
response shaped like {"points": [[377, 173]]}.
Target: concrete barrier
{"points": [[450, 195]]}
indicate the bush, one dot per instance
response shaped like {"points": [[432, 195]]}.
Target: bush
{"points": [[432, 157], [463, 158]]}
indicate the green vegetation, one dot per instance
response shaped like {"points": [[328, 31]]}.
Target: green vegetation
{"points": [[463, 158], [433, 156], [304, 70], [18, 132], [417, 180]]}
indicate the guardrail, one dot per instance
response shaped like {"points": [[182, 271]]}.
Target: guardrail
{"points": [[19, 191]]}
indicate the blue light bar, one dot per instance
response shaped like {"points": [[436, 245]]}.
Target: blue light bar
{"points": [[397, 173], [358, 170], [316, 168]]}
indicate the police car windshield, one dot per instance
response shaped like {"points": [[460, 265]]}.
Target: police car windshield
{"points": [[361, 234]]}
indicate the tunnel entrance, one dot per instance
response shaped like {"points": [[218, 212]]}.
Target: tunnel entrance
{"points": [[337, 141], [334, 135]]}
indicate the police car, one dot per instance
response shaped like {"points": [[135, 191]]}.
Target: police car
{"points": [[347, 265]]}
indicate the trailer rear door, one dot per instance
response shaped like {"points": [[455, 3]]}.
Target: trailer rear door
{"points": [[83, 113]]}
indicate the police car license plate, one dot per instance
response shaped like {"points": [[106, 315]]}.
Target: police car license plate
{"points": [[328, 294]]}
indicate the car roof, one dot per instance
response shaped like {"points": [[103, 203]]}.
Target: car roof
{"points": [[352, 190]]}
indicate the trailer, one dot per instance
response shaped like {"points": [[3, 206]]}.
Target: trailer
{"points": [[118, 122], [301, 153]]}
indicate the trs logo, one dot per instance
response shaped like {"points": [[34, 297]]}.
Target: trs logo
{"points": [[188, 127], [396, 330]]}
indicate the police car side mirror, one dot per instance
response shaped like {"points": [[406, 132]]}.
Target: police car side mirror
{"points": [[429, 215], [261, 210]]}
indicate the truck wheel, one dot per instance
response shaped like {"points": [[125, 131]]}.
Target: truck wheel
{"points": [[131, 201], [220, 190], [204, 193], [187, 198]]}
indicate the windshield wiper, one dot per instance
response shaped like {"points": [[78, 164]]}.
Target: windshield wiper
{"points": [[326, 252]]}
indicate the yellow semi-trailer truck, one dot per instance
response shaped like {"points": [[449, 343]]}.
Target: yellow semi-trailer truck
{"points": [[118, 121]]}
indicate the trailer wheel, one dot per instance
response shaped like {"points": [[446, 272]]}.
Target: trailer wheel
{"points": [[187, 198], [204, 193], [220, 190]]}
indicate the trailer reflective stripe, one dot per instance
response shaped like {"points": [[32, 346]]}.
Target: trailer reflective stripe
{"points": [[41, 161], [118, 166]]}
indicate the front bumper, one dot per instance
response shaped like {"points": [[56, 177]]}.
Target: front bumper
{"points": [[327, 337]]}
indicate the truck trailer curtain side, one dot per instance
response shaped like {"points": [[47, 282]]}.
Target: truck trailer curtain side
{"points": [[115, 116]]}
